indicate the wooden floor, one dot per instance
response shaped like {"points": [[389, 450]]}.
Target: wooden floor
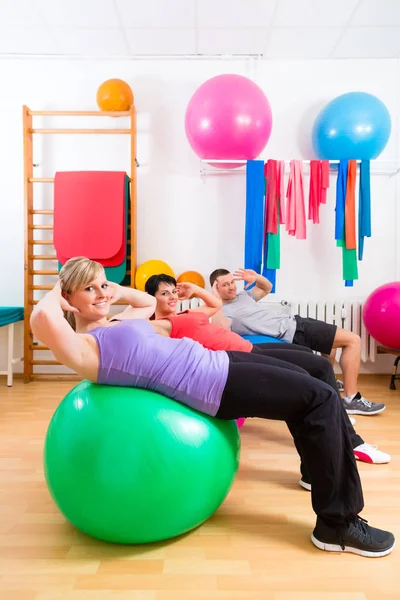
{"points": [[256, 547]]}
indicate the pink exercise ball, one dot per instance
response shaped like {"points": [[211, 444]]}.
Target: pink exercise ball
{"points": [[240, 422], [381, 314], [230, 117]]}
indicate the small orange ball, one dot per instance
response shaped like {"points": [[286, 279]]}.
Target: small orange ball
{"points": [[192, 277], [114, 95]]}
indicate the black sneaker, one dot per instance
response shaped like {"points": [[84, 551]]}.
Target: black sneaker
{"points": [[355, 536]]}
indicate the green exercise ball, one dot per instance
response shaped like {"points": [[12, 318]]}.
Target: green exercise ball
{"points": [[133, 466]]}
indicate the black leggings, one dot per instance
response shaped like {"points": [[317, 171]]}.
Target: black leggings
{"points": [[282, 347], [317, 366], [315, 417]]}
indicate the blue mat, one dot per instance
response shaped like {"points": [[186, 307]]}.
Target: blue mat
{"points": [[11, 314], [262, 339]]}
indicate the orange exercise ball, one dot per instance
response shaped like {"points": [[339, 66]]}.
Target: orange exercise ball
{"points": [[192, 277], [149, 268], [114, 95]]}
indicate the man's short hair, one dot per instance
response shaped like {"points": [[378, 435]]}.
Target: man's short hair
{"points": [[217, 273], [153, 283]]}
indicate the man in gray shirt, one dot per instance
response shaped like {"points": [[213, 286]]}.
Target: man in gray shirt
{"points": [[242, 313]]}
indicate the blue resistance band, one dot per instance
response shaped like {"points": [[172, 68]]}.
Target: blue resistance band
{"points": [[364, 206], [254, 228]]}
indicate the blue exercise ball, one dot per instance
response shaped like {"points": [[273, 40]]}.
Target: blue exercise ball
{"points": [[132, 466], [356, 125]]}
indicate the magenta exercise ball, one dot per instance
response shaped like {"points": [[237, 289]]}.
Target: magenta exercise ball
{"points": [[381, 314], [230, 117]]}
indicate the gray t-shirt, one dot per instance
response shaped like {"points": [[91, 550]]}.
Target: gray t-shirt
{"points": [[249, 317]]}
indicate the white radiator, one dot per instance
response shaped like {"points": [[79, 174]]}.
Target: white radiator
{"points": [[346, 314]]}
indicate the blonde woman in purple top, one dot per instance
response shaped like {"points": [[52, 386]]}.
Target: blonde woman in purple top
{"points": [[126, 351]]}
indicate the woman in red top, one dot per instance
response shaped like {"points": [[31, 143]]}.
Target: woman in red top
{"points": [[195, 324]]}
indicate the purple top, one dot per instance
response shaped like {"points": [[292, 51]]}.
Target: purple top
{"points": [[132, 354]]}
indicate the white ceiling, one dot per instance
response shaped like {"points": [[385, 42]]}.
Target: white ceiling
{"points": [[275, 29]]}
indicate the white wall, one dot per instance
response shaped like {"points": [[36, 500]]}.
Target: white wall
{"points": [[195, 222]]}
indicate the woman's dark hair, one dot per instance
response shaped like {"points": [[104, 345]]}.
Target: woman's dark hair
{"points": [[153, 283]]}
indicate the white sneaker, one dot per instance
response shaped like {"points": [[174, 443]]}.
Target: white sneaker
{"points": [[370, 454], [352, 421], [340, 385], [305, 484]]}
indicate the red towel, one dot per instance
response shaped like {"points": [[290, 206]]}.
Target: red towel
{"points": [[281, 189], [314, 196], [324, 179], [319, 182], [89, 216], [272, 198]]}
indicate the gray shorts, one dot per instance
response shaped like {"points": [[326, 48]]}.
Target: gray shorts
{"points": [[314, 334]]}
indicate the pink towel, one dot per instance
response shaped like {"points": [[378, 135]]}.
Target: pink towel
{"points": [[295, 209]]}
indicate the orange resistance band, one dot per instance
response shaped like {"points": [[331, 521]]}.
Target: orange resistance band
{"points": [[350, 208]]}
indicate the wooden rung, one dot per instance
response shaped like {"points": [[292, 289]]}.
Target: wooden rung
{"points": [[56, 376], [79, 113], [43, 227], [84, 131], [41, 287], [44, 272], [48, 180], [38, 347], [41, 179], [42, 257], [45, 362], [51, 212], [51, 243]]}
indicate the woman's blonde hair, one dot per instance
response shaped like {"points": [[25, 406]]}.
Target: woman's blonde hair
{"points": [[76, 274]]}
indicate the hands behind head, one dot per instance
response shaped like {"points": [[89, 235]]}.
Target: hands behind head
{"points": [[115, 291], [64, 304], [186, 290], [245, 275], [215, 291]]}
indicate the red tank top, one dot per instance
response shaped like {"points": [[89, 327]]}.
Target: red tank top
{"points": [[195, 325]]}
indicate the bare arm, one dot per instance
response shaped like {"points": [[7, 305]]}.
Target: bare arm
{"points": [[141, 304], [51, 328], [220, 319], [212, 304], [263, 285]]}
